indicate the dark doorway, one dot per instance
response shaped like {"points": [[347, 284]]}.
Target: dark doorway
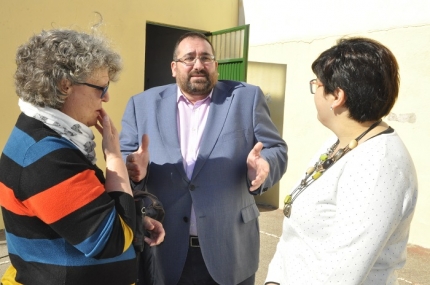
{"points": [[160, 42]]}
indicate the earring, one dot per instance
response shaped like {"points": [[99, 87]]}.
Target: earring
{"points": [[331, 108]]}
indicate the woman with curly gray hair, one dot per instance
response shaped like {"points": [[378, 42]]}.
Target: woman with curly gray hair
{"points": [[65, 222]]}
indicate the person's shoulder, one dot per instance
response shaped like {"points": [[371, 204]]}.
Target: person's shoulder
{"points": [[157, 90], [386, 146], [235, 84], [34, 129], [31, 139], [238, 88]]}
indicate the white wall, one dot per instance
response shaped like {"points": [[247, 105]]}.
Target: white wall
{"points": [[307, 19], [296, 33]]}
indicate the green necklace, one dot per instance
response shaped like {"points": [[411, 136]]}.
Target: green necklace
{"points": [[325, 161]]}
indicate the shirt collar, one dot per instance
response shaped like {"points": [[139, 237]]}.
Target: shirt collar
{"points": [[181, 95]]}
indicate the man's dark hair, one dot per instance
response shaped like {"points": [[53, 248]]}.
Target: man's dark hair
{"points": [[190, 35]]}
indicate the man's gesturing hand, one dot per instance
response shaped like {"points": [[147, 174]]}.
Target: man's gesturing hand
{"points": [[137, 162], [258, 167]]}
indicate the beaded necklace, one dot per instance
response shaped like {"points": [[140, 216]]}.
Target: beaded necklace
{"points": [[325, 161]]}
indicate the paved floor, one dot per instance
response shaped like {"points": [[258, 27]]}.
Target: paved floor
{"points": [[415, 272]]}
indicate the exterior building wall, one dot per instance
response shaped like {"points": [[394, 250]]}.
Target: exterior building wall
{"points": [[409, 117], [271, 79], [123, 22]]}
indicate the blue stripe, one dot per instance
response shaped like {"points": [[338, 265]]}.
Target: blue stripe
{"points": [[19, 142], [95, 243], [57, 252]]}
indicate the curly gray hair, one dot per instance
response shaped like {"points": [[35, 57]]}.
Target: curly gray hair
{"points": [[51, 56]]}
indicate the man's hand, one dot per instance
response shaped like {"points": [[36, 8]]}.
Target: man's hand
{"points": [[258, 167], [156, 231], [137, 162]]}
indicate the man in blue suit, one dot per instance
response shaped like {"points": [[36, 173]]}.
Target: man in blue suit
{"points": [[213, 146]]}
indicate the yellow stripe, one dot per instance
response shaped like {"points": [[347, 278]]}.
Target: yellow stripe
{"points": [[9, 277], [128, 234]]}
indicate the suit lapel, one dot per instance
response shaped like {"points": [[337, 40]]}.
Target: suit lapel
{"points": [[219, 108], [167, 125]]}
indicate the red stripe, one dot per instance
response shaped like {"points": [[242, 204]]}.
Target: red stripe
{"points": [[64, 198], [58, 201]]}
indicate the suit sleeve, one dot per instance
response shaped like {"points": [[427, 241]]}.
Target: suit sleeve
{"points": [[274, 147], [129, 133]]}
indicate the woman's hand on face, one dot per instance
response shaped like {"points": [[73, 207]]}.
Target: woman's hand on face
{"points": [[110, 142], [116, 172]]}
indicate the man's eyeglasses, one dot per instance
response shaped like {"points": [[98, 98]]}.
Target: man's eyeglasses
{"points": [[103, 89], [313, 84], [191, 60]]}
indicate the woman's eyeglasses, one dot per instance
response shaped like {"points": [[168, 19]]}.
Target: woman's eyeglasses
{"points": [[313, 84], [103, 89]]}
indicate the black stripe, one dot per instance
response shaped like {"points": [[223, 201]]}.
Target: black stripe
{"points": [[119, 273]]}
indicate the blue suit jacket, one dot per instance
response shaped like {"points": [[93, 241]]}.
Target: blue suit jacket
{"points": [[226, 213]]}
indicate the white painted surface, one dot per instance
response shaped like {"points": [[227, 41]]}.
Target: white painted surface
{"points": [[295, 33]]}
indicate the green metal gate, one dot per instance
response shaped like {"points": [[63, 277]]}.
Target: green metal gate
{"points": [[231, 48]]}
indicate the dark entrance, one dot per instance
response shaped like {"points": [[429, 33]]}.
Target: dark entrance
{"points": [[160, 41]]}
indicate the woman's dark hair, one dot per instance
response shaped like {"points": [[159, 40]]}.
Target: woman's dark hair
{"points": [[366, 71]]}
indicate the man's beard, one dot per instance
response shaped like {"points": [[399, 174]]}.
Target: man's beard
{"points": [[200, 86]]}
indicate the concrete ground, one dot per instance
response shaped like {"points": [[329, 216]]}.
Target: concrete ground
{"points": [[415, 272]]}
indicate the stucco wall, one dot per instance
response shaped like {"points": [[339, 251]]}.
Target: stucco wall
{"points": [[123, 22], [304, 133], [271, 79]]}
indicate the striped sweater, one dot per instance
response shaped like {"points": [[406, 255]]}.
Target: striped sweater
{"points": [[61, 226]]}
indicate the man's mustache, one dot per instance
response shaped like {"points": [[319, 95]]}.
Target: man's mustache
{"points": [[199, 73]]}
